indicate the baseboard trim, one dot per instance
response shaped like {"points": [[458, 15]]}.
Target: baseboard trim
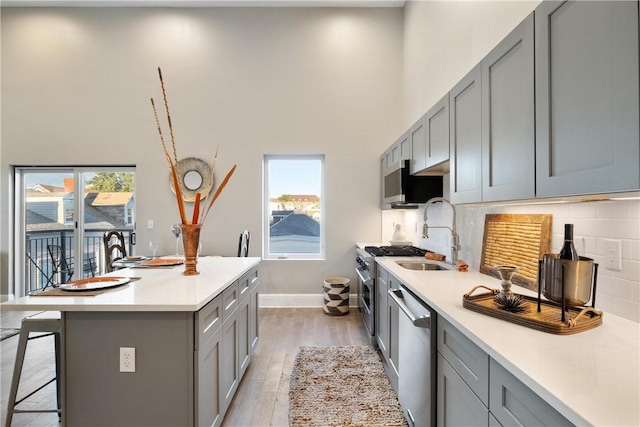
{"points": [[297, 300]]}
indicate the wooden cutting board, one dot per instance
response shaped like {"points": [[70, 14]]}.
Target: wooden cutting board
{"points": [[516, 239]]}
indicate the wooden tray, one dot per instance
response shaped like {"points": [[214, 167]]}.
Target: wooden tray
{"points": [[516, 239], [577, 319]]}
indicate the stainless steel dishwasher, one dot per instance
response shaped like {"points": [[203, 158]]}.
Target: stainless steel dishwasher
{"points": [[416, 358]]}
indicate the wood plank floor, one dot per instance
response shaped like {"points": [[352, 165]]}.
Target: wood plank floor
{"points": [[262, 398]]}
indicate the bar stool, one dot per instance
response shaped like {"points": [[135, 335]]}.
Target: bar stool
{"points": [[49, 323]]}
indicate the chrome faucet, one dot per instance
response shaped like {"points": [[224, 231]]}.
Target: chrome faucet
{"points": [[455, 240]]}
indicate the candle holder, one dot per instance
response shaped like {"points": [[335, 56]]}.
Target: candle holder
{"points": [[506, 272]]}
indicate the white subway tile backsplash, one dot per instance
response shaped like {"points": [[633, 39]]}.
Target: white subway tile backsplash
{"points": [[618, 291]]}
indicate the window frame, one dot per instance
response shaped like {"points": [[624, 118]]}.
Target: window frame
{"points": [[266, 213]]}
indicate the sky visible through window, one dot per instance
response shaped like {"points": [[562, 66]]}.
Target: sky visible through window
{"points": [[294, 177]]}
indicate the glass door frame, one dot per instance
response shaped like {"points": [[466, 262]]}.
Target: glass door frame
{"points": [[18, 241]]}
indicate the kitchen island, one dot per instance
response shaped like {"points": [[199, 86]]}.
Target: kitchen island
{"points": [[193, 338], [589, 378]]}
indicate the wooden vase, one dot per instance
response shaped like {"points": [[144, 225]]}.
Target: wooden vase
{"points": [[190, 241]]}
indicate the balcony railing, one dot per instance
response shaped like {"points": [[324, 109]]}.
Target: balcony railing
{"points": [[39, 268]]}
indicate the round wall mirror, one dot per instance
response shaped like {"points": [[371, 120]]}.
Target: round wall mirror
{"points": [[195, 177], [192, 180]]}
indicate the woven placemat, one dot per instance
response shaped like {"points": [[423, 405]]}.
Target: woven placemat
{"points": [[57, 292]]}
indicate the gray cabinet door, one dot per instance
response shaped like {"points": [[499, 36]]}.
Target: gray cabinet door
{"points": [[514, 404], [382, 318], [456, 404], [587, 97], [254, 320], [418, 142], [465, 135], [508, 121], [207, 375], [437, 133], [393, 317], [244, 340], [229, 371], [467, 359]]}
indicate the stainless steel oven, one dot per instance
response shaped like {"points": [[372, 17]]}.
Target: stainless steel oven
{"points": [[366, 271]]}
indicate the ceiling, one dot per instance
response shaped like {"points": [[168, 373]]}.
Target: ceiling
{"points": [[202, 3]]}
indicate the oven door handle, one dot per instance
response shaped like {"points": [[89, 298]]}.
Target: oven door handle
{"points": [[365, 280]]}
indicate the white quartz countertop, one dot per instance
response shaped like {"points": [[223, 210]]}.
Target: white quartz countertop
{"points": [[591, 378], [158, 289]]}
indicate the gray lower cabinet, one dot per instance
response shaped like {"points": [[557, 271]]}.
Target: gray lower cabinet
{"points": [[587, 97], [508, 117], [463, 379], [253, 313], [228, 328], [382, 316], [207, 364], [514, 404], [387, 317], [393, 319], [457, 404], [465, 134], [207, 371], [474, 389], [187, 363], [229, 372]]}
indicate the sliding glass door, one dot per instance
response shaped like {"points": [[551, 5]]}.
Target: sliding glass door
{"points": [[61, 215]]}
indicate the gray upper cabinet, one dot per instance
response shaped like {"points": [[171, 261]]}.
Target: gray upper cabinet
{"points": [[418, 140], [437, 136], [508, 117], [587, 97], [465, 138], [400, 150]]}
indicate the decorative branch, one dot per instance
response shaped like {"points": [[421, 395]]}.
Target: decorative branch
{"points": [[166, 107], [219, 190], [174, 173], [198, 211]]}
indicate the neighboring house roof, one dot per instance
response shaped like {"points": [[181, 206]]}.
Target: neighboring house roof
{"points": [[44, 188], [110, 198], [297, 225], [39, 194], [33, 218]]}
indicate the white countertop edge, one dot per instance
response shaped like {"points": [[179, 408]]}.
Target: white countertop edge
{"points": [[108, 301], [575, 412]]}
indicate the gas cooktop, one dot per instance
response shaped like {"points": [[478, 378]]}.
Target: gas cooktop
{"points": [[395, 251]]}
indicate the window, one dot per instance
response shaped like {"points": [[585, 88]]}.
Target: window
{"points": [[293, 207], [68, 208]]}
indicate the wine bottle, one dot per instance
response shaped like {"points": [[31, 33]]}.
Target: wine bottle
{"points": [[568, 250]]}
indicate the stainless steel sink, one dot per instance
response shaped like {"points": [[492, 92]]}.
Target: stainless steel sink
{"points": [[425, 265]]}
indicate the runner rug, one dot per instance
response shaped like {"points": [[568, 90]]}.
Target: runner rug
{"points": [[341, 386], [8, 332]]}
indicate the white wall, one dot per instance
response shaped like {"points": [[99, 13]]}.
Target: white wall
{"points": [[76, 84], [463, 33]]}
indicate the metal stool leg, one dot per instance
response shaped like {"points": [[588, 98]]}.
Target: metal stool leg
{"points": [[51, 326], [17, 370]]}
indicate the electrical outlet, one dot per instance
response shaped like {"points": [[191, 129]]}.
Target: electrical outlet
{"points": [[613, 254], [150, 224], [127, 359]]}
